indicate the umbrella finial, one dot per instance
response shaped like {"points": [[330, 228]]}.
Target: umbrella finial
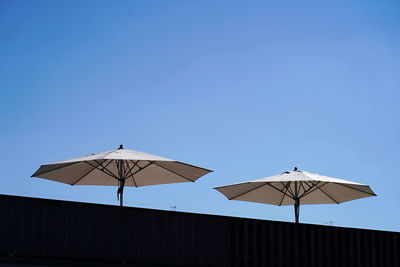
{"points": [[295, 169], [121, 147]]}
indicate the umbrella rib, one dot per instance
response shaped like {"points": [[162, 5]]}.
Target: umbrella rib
{"points": [[126, 167], [63, 166], [280, 190], [195, 166], [302, 185], [312, 188], [309, 187], [104, 168], [130, 169], [140, 169], [319, 188], [241, 194], [356, 189], [284, 195], [287, 185], [84, 175], [109, 173], [174, 172]]}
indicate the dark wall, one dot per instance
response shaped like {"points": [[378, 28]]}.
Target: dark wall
{"points": [[70, 234]]}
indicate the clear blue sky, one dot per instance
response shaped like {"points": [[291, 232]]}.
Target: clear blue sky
{"points": [[247, 88]]}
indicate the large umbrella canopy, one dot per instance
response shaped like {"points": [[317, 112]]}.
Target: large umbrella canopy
{"points": [[120, 167], [295, 187]]}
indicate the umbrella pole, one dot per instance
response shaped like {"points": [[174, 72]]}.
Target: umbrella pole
{"points": [[121, 196], [297, 209], [120, 192]]}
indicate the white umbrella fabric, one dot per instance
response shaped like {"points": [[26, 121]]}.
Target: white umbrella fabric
{"points": [[120, 167], [295, 187]]}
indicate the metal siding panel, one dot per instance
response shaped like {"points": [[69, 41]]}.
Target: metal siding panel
{"points": [[257, 248], [349, 240], [251, 243], [366, 248], [320, 247], [271, 244], [312, 248], [305, 246], [4, 227], [239, 243], [380, 250], [287, 242], [396, 250], [232, 243], [209, 240], [187, 244], [335, 248], [294, 244], [245, 236], [280, 246], [372, 245], [264, 252], [326, 247], [387, 249], [344, 248], [11, 241], [86, 232], [360, 249], [368, 243]]}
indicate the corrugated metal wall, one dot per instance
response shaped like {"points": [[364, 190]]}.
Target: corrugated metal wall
{"points": [[39, 229]]}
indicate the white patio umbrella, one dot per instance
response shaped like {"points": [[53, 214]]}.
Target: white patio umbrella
{"points": [[295, 187], [120, 167]]}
